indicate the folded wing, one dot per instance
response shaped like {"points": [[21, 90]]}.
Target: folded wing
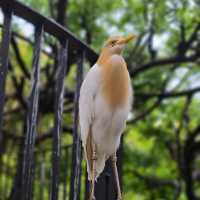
{"points": [[88, 91]]}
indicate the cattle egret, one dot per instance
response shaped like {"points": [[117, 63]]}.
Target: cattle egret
{"points": [[104, 103]]}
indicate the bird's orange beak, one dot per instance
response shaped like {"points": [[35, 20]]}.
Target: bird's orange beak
{"points": [[126, 39]]}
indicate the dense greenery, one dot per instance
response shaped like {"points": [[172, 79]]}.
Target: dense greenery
{"points": [[161, 143]]}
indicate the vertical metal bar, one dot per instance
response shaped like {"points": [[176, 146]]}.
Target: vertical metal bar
{"points": [[65, 174], [4, 50], [107, 181], [42, 175], [105, 188], [58, 110], [4, 58], [28, 171], [76, 149]]}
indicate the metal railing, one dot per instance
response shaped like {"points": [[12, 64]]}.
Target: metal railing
{"points": [[69, 45]]}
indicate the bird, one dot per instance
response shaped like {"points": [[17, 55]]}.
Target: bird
{"points": [[105, 100]]}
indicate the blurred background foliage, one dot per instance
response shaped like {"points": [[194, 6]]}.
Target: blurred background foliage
{"points": [[161, 144]]}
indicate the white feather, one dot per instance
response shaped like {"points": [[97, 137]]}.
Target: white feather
{"points": [[107, 125], [88, 92]]}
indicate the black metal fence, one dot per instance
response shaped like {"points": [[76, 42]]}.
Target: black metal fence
{"points": [[71, 50]]}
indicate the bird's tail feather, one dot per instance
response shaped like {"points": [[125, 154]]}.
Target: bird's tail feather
{"points": [[100, 164]]}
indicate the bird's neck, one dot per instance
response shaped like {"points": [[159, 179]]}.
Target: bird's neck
{"points": [[104, 57], [114, 79]]}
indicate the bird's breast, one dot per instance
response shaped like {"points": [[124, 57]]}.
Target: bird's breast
{"points": [[115, 82]]}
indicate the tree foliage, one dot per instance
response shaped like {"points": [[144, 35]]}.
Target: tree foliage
{"points": [[161, 143]]}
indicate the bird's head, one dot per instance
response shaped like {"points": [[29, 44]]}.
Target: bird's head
{"points": [[115, 44]]}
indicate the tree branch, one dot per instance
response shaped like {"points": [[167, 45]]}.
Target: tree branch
{"points": [[154, 181], [163, 61], [19, 58], [145, 113], [169, 94], [61, 11]]}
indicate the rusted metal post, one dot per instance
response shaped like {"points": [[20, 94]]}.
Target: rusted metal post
{"points": [[58, 110], [28, 170], [76, 149]]}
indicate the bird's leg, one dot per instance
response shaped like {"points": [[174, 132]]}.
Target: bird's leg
{"points": [[94, 158], [116, 176]]}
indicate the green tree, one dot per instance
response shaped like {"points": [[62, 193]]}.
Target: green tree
{"points": [[161, 143]]}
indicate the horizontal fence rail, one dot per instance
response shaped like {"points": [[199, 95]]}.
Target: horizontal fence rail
{"points": [[50, 26], [67, 45]]}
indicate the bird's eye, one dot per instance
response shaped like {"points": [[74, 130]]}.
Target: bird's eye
{"points": [[113, 43]]}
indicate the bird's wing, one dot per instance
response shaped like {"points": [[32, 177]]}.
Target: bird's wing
{"points": [[88, 92]]}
